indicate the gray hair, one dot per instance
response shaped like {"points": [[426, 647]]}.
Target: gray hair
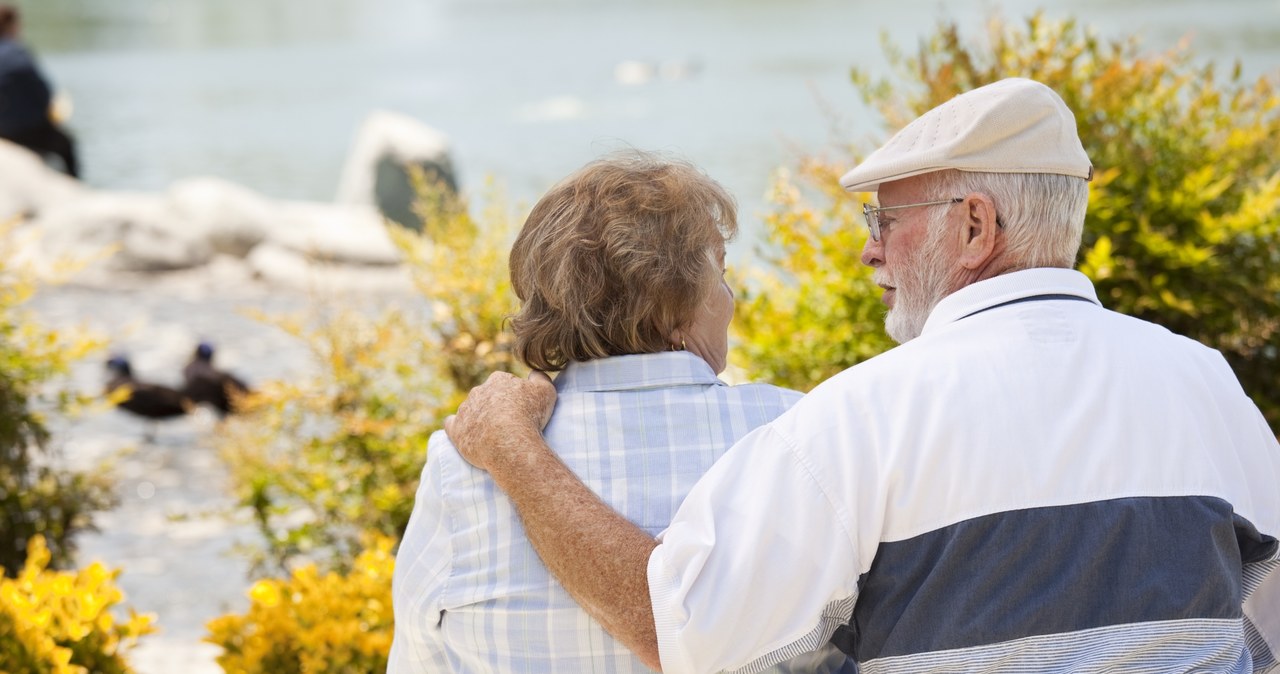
{"points": [[1042, 213]]}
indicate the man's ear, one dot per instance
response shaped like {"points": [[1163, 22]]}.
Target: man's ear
{"points": [[981, 233]]}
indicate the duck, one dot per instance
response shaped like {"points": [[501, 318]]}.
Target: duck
{"points": [[154, 402], [205, 384]]}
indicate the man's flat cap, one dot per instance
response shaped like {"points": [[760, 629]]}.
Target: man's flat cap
{"points": [[1012, 126]]}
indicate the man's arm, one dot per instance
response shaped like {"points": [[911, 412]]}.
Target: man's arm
{"points": [[595, 553]]}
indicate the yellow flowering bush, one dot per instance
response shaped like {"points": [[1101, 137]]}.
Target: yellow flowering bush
{"points": [[814, 310], [1183, 227], [459, 265], [1184, 211], [320, 461], [314, 622], [61, 622], [37, 494]]}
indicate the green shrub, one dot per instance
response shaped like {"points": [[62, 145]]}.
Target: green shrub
{"points": [[57, 622], [320, 460], [37, 497], [814, 310], [1184, 218], [324, 460]]}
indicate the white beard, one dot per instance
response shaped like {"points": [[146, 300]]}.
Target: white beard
{"points": [[924, 279], [906, 320]]}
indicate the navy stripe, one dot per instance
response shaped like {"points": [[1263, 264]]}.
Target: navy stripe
{"points": [[1053, 570], [1033, 298], [1255, 546]]}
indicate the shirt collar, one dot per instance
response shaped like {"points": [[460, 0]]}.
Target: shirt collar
{"points": [[1007, 287], [637, 371]]}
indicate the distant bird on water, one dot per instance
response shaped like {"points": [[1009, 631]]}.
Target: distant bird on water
{"points": [[206, 384], [150, 401]]}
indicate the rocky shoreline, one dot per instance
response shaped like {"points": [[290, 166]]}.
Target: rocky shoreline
{"points": [[205, 221], [166, 271]]}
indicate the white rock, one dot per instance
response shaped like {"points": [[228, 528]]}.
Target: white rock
{"points": [[144, 232], [276, 264], [280, 266], [28, 186], [231, 218], [376, 170], [346, 233]]}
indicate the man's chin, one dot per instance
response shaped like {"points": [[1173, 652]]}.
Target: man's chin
{"points": [[900, 328]]}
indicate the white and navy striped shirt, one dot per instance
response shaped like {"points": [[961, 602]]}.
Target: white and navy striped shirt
{"points": [[1035, 484], [471, 594]]}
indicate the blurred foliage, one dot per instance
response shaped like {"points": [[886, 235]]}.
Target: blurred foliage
{"points": [[459, 264], [1184, 216], [1184, 211], [314, 623], [323, 460], [37, 496], [59, 622], [815, 310]]}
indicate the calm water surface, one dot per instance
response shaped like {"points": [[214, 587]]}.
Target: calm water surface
{"points": [[269, 94]]}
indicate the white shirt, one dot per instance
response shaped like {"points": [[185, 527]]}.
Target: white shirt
{"points": [[471, 594], [1040, 486]]}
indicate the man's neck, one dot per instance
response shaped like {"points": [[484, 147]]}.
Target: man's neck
{"points": [[996, 265]]}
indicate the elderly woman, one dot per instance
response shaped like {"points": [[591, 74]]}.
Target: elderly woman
{"points": [[620, 271]]}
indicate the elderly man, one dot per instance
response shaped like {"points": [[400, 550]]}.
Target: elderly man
{"points": [[1029, 483]]}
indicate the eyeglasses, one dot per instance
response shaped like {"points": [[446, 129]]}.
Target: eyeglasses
{"points": [[872, 213]]}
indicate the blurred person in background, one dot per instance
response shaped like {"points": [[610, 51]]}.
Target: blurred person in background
{"points": [[620, 273], [26, 101]]}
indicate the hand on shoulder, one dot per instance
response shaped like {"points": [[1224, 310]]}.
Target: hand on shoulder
{"points": [[501, 416]]}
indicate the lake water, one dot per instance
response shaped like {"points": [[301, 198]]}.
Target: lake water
{"points": [[269, 94]]}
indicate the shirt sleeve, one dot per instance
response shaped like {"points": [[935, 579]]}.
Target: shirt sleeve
{"points": [[1260, 596], [757, 566], [1261, 586], [422, 571], [1262, 614]]}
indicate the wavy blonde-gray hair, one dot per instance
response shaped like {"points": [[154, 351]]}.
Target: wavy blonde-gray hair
{"points": [[616, 257]]}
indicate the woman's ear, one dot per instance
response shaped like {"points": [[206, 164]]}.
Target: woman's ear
{"points": [[676, 340], [981, 231]]}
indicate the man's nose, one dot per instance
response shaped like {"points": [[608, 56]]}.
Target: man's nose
{"points": [[872, 252]]}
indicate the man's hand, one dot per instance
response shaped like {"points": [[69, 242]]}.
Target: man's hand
{"points": [[499, 413], [599, 557]]}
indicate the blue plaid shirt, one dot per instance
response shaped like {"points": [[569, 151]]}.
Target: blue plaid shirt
{"points": [[471, 594]]}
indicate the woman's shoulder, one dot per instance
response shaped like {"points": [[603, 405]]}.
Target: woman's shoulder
{"points": [[764, 394], [448, 469]]}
